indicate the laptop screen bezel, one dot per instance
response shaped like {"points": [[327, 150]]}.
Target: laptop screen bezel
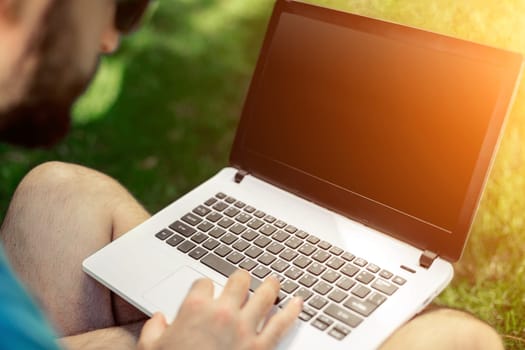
{"points": [[415, 232]]}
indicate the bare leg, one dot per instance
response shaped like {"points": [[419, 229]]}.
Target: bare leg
{"points": [[59, 215], [444, 329]]}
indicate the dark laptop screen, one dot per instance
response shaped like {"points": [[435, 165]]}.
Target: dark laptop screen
{"points": [[398, 123]]}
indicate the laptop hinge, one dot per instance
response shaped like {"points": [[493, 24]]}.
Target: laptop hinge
{"points": [[239, 176], [427, 258]]}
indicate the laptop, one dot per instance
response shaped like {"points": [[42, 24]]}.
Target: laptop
{"points": [[356, 171]]}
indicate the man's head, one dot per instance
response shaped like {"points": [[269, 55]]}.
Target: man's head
{"points": [[50, 51]]}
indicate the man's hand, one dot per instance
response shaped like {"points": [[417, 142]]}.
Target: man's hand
{"points": [[231, 322]]}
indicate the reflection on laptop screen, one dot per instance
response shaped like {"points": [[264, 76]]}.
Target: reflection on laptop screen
{"points": [[397, 123]]}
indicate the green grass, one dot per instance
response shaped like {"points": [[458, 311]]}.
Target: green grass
{"points": [[162, 113]]}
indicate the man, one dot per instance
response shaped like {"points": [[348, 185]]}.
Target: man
{"points": [[61, 213]]}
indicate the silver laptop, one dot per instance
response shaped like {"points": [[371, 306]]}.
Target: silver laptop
{"points": [[360, 157]]}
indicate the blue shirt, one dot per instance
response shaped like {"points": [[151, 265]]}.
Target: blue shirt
{"points": [[22, 325]]}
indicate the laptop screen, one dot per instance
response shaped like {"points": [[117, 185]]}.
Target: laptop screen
{"points": [[396, 122]]}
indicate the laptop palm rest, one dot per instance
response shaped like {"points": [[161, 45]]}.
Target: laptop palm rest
{"points": [[169, 294]]}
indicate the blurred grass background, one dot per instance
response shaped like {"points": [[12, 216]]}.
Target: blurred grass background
{"points": [[161, 116]]}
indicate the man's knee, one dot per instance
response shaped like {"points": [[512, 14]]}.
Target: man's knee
{"points": [[55, 178], [445, 329]]}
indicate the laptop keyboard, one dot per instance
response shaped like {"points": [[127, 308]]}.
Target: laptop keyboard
{"points": [[339, 289]]}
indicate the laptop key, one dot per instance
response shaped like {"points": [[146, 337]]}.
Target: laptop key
{"points": [[349, 270], [335, 263], [301, 234], [266, 259], [228, 238], [269, 218], [337, 295], [318, 302], [288, 255], [307, 249], [241, 245], [249, 209], [280, 236], [217, 232], [360, 262], [386, 274], [201, 210], [275, 248], [225, 222], [267, 230], [162, 235], [399, 280], [231, 212], [253, 252], [339, 332], [261, 271], [205, 226], [262, 241], [259, 214], [220, 195], [336, 250], [289, 286], [308, 280], [235, 257], [348, 256], [290, 229], [214, 217], [223, 250], [362, 307], [237, 229], [199, 237], [250, 235], [220, 206], [294, 242], [211, 202], [175, 240], [243, 218], [182, 228], [312, 239], [280, 224], [373, 268], [343, 315], [240, 204], [384, 286], [330, 276], [361, 291], [307, 314], [248, 264], [186, 246], [293, 273], [322, 288], [210, 244], [345, 283], [255, 224], [316, 269], [198, 253], [377, 299], [365, 277], [280, 265], [230, 200], [302, 261], [324, 245], [321, 256]]}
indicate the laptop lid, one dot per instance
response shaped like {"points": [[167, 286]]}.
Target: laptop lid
{"points": [[391, 126]]}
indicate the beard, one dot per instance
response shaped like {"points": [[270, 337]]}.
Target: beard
{"points": [[42, 117]]}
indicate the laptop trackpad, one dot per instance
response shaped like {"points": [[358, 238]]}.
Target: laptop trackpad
{"points": [[169, 294]]}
